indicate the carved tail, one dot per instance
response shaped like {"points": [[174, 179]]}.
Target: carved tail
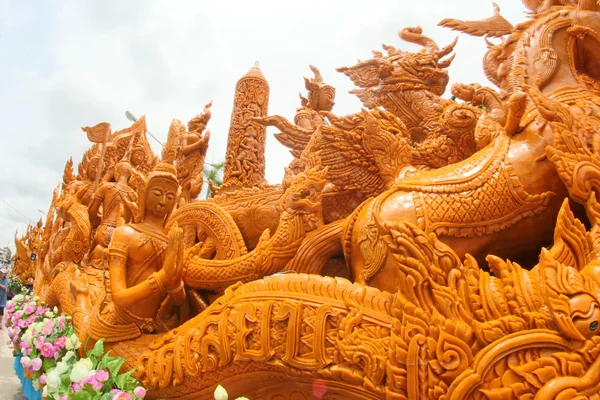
{"points": [[270, 255], [214, 222]]}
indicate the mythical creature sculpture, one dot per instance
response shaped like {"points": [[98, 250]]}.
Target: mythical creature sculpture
{"points": [[462, 227], [301, 212]]}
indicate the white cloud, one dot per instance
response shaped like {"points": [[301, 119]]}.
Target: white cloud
{"points": [[71, 64]]}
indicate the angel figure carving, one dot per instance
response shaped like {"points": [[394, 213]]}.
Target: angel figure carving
{"points": [[187, 151]]}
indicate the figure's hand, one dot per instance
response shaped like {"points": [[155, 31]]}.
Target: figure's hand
{"points": [[172, 269], [79, 284]]}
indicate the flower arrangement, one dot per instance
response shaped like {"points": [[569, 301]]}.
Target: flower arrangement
{"points": [[20, 313], [48, 347], [95, 377]]}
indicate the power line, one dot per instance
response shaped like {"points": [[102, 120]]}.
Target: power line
{"points": [[19, 212], [159, 142], [132, 118]]}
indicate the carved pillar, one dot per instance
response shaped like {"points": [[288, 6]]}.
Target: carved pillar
{"points": [[245, 159]]}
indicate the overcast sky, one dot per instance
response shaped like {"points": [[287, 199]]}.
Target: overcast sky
{"points": [[68, 64]]}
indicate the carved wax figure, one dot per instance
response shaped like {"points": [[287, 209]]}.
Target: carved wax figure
{"points": [[145, 266]]}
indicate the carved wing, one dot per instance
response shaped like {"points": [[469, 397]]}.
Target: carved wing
{"points": [[172, 148], [291, 135], [68, 175], [495, 26], [359, 158]]}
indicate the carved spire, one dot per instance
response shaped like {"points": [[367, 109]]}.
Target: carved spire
{"points": [[245, 159]]}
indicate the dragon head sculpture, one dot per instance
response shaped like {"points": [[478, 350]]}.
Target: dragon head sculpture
{"points": [[425, 69], [303, 195]]}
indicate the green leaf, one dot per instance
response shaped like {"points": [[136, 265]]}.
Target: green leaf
{"points": [[48, 364], [114, 366], [96, 352], [81, 395], [107, 396], [126, 382]]}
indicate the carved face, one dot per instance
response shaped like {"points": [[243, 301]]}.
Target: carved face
{"points": [[92, 169], [326, 99], [160, 198], [585, 314], [138, 156], [304, 194], [424, 67]]}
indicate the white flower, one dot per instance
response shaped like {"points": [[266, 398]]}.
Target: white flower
{"points": [[73, 342], [61, 367], [45, 391], [18, 298], [55, 310], [36, 384], [49, 314], [68, 356], [81, 369], [221, 393], [52, 380]]}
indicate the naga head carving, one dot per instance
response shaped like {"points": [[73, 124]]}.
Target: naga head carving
{"points": [[571, 297], [425, 69], [303, 194]]}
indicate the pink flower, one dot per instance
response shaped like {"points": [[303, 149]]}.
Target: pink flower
{"points": [[61, 322], [36, 364], [95, 384], [22, 324], [76, 387], [47, 350], [10, 307], [30, 309], [43, 379], [63, 397], [60, 342], [31, 320], [120, 395], [47, 330], [101, 375], [139, 392], [39, 341], [40, 310]]}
